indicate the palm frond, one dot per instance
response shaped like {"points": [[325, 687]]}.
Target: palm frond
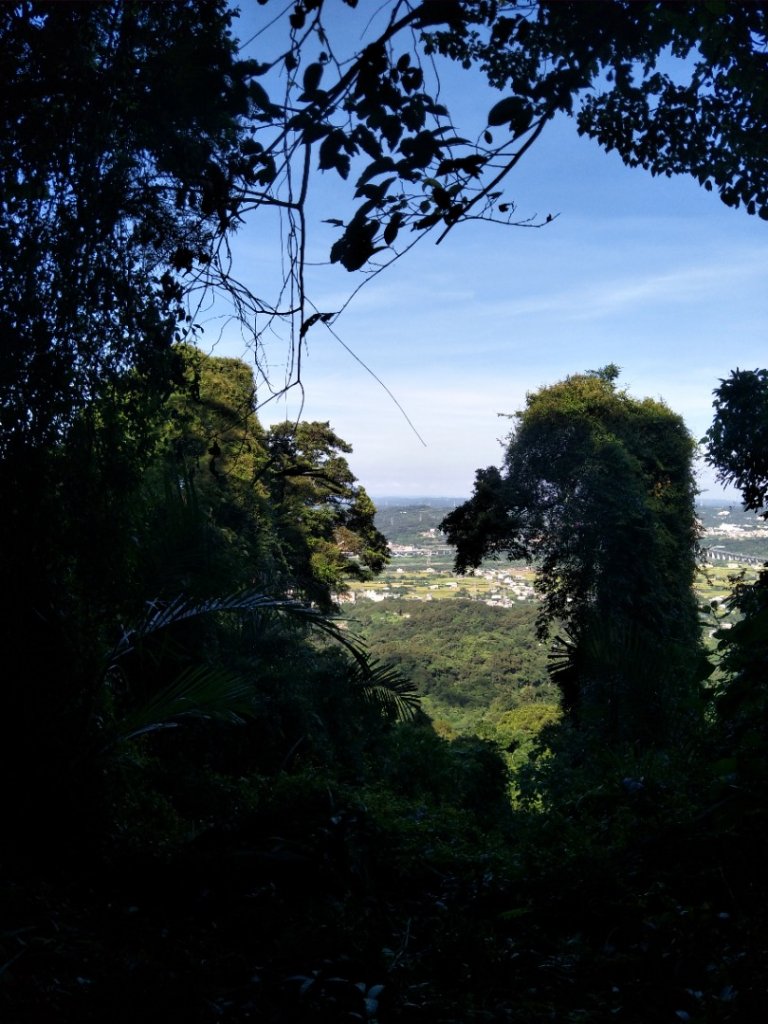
{"points": [[213, 692], [199, 691], [385, 689], [161, 615]]}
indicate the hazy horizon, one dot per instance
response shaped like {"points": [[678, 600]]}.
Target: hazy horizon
{"points": [[442, 500]]}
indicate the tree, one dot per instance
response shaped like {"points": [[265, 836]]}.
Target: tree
{"points": [[324, 518], [120, 165], [119, 153], [597, 489], [128, 203], [208, 525], [737, 441], [133, 141], [153, 153], [234, 505], [675, 88], [737, 447], [119, 162]]}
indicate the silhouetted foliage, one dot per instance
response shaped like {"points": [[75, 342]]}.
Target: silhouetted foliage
{"points": [[674, 88], [737, 441], [120, 156]]}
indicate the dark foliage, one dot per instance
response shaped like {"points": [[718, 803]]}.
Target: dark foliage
{"points": [[737, 441], [676, 88], [217, 805]]}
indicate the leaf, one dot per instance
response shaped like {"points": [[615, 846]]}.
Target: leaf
{"points": [[199, 691], [380, 166], [429, 221], [331, 155], [261, 97], [355, 247], [391, 129], [367, 141], [312, 320], [442, 198], [375, 193], [471, 165], [385, 689], [329, 151], [514, 111], [161, 615], [315, 130], [338, 249], [454, 141], [420, 149], [255, 67], [439, 12], [312, 77], [392, 229]]}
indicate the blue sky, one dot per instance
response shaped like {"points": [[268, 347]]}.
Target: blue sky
{"points": [[651, 273]]}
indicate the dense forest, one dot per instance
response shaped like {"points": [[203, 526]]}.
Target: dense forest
{"points": [[219, 804], [467, 661]]}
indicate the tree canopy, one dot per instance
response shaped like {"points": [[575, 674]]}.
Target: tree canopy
{"points": [[737, 441], [323, 516], [276, 508], [120, 154], [597, 489], [135, 138], [676, 88], [153, 153], [736, 445]]}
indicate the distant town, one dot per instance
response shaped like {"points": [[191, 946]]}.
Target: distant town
{"points": [[422, 562]]}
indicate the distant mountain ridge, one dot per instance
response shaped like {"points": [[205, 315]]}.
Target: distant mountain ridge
{"points": [[426, 501], [448, 501]]}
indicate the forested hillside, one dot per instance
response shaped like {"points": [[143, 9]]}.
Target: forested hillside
{"points": [[220, 805], [473, 658], [471, 663]]}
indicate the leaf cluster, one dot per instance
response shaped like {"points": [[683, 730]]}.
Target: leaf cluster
{"points": [[673, 88]]}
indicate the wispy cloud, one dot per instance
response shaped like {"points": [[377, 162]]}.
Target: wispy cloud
{"points": [[622, 294]]}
